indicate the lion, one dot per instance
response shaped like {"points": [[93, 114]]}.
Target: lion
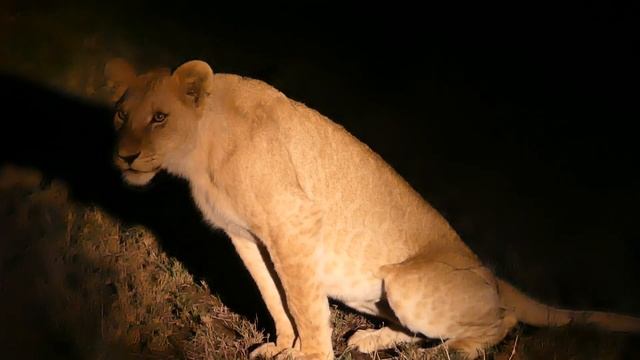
{"points": [[293, 189]]}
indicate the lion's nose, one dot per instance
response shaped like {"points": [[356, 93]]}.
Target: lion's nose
{"points": [[129, 158]]}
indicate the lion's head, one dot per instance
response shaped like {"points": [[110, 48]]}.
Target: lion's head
{"points": [[157, 114]]}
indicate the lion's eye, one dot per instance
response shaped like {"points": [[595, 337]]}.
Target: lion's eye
{"points": [[159, 117], [122, 115]]}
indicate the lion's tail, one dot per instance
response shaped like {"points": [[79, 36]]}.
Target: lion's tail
{"points": [[531, 312]]}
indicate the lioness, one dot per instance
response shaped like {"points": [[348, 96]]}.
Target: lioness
{"points": [[335, 220]]}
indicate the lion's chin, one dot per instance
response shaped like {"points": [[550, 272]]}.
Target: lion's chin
{"points": [[138, 178]]}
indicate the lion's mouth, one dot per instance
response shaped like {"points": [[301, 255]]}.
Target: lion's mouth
{"points": [[139, 177], [131, 170]]}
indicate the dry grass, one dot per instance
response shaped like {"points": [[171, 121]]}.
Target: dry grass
{"points": [[98, 290]]}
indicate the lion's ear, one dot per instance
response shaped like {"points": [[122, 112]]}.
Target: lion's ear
{"points": [[195, 80], [119, 74]]}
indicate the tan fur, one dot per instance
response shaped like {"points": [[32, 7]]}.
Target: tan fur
{"points": [[286, 182]]}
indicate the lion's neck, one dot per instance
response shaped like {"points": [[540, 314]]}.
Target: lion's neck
{"points": [[209, 145]]}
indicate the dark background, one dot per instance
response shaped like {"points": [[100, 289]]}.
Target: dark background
{"points": [[516, 122]]}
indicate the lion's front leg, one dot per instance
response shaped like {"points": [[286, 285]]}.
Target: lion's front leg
{"points": [[294, 247], [308, 305], [254, 260]]}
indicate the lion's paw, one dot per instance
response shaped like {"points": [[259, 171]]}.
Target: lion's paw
{"points": [[365, 341], [266, 351]]}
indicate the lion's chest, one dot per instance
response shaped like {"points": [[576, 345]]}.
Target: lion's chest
{"points": [[215, 206]]}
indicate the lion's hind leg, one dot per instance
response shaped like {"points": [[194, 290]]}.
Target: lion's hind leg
{"points": [[450, 297]]}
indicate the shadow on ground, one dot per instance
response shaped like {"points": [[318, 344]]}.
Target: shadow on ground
{"points": [[69, 139]]}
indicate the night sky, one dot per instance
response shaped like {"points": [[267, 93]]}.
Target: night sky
{"points": [[517, 123]]}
